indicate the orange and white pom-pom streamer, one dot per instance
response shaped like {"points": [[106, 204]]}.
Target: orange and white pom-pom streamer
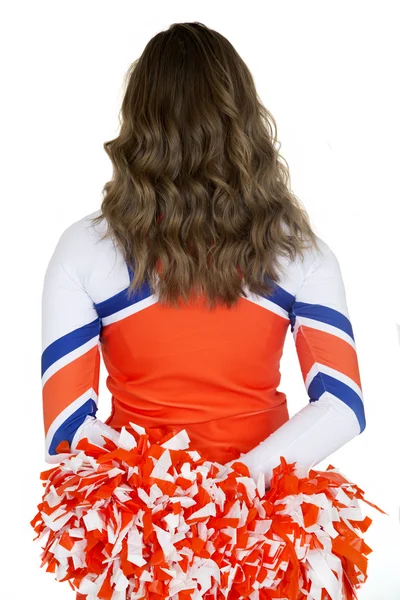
{"points": [[157, 521]]}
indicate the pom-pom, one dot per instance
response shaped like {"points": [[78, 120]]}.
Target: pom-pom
{"points": [[156, 520]]}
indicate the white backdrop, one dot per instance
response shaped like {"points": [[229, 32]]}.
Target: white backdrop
{"points": [[328, 72]]}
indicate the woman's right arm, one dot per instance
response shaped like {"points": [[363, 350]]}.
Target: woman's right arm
{"points": [[70, 349]]}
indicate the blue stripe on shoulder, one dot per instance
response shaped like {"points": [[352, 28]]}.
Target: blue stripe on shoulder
{"points": [[69, 342], [324, 314], [68, 428], [323, 382], [121, 300], [280, 296]]}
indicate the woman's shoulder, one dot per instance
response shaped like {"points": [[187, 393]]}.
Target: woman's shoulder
{"points": [[83, 250], [84, 237], [83, 231], [313, 258]]}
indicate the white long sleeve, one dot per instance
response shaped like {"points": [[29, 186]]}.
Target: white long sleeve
{"points": [[70, 348], [326, 351]]}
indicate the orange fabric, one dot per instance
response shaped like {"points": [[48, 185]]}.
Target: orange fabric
{"points": [[314, 345], [178, 375], [69, 383]]}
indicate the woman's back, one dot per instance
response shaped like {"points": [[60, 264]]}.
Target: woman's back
{"points": [[187, 281], [213, 372]]}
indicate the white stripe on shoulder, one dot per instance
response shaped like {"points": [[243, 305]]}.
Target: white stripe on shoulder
{"points": [[130, 310]]}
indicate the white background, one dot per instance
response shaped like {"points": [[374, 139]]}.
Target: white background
{"points": [[328, 73]]}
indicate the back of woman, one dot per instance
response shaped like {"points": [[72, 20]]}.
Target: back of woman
{"points": [[214, 372], [190, 275]]}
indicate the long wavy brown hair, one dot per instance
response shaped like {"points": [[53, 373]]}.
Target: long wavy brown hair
{"points": [[199, 200]]}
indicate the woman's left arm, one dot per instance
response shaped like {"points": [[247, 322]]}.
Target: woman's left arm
{"points": [[326, 351]]}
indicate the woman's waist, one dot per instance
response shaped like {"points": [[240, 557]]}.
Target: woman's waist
{"points": [[219, 437], [183, 407]]}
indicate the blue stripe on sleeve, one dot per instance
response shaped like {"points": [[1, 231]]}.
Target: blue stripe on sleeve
{"points": [[323, 382], [325, 314], [69, 342], [67, 430]]}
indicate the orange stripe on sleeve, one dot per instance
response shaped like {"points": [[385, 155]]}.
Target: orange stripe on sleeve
{"points": [[314, 345], [70, 382]]}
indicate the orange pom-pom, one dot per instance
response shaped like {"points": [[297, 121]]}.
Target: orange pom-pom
{"points": [[149, 518]]}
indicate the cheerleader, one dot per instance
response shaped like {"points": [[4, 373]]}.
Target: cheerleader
{"points": [[188, 278]]}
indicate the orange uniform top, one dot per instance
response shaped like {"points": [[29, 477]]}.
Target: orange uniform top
{"points": [[214, 373]]}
